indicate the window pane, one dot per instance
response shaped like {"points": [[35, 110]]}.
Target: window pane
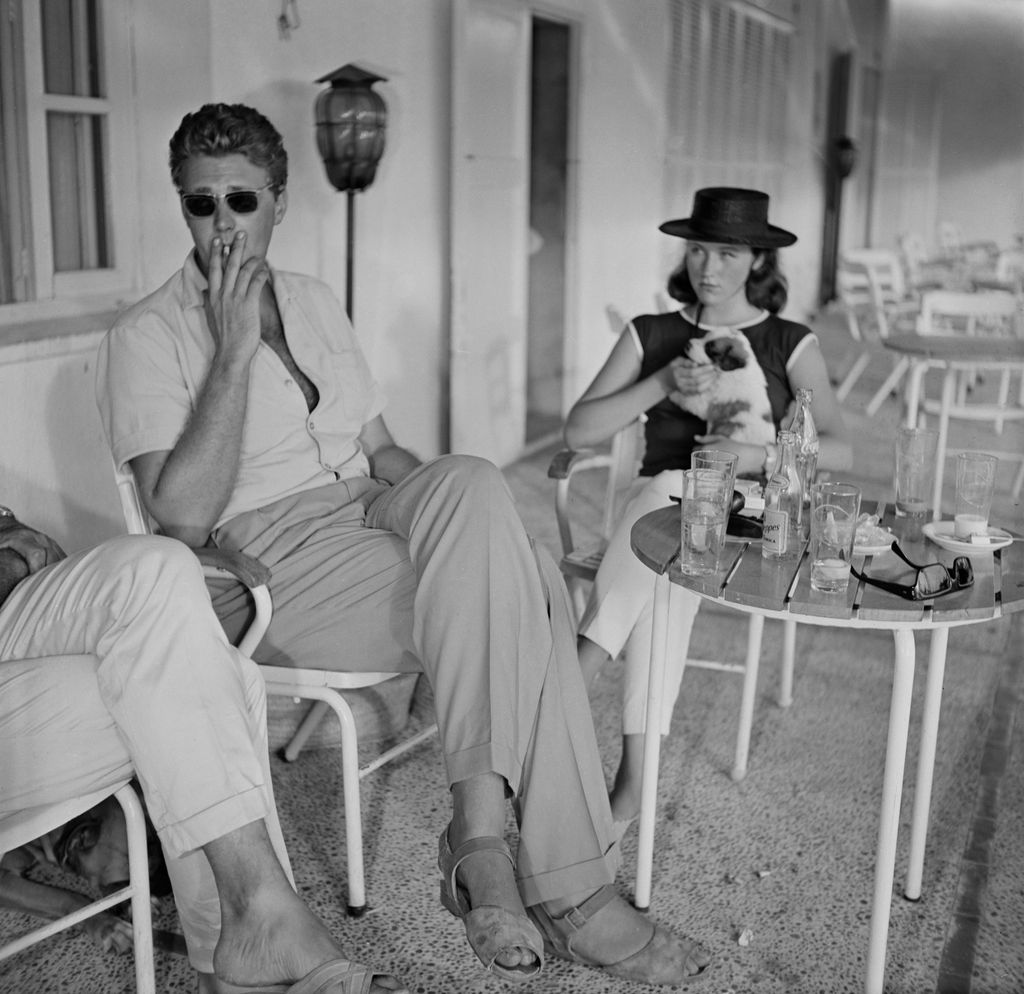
{"points": [[71, 62], [78, 197]]}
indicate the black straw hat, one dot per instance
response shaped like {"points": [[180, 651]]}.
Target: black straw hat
{"points": [[731, 216]]}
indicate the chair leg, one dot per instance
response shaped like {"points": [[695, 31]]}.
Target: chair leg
{"points": [[788, 656], [890, 384], [754, 633], [307, 726], [859, 365], [350, 784], [138, 870]]}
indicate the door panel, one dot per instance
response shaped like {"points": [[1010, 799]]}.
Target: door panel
{"points": [[490, 91]]}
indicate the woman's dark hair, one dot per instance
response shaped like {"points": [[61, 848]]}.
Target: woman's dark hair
{"points": [[766, 286], [228, 129]]}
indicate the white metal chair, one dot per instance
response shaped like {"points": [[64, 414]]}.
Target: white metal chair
{"points": [[873, 296], [324, 687], [580, 562], [992, 314], [922, 269], [25, 826]]}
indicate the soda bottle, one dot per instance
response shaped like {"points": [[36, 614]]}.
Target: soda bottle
{"points": [[803, 427], [782, 537]]}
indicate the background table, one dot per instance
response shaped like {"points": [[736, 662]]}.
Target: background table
{"points": [[953, 354], [782, 590]]}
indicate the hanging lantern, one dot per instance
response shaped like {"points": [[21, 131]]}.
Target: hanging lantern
{"points": [[350, 120]]}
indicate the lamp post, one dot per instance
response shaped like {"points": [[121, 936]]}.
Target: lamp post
{"points": [[350, 124]]}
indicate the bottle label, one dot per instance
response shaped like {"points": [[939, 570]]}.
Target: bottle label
{"points": [[775, 533]]}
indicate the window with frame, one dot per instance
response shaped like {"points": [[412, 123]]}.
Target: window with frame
{"points": [[729, 76], [64, 135]]}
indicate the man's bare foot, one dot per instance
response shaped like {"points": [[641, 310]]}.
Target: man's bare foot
{"points": [[276, 940], [618, 938]]}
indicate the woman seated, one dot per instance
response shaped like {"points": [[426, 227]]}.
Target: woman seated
{"points": [[729, 278]]}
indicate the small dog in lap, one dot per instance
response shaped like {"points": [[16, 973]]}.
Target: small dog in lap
{"points": [[737, 406]]}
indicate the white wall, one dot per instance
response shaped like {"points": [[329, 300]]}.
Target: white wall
{"points": [[976, 52]]}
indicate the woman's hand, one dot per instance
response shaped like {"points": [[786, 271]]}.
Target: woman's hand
{"points": [[750, 457], [690, 378]]}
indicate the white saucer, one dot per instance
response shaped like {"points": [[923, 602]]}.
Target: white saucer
{"points": [[941, 533]]}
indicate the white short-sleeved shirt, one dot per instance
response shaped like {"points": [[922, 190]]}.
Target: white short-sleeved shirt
{"points": [[153, 362]]}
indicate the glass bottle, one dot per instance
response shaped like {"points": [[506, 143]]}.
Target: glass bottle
{"points": [[803, 427], [783, 505]]}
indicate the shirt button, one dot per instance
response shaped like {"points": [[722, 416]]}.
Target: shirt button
{"points": [[288, 383], [312, 426]]}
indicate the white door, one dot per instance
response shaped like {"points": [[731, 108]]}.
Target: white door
{"points": [[490, 91]]}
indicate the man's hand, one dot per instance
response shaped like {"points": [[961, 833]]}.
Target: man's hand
{"points": [[233, 298], [23, 550], [36, 549]]}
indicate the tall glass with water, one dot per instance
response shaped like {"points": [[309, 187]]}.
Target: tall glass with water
{"points": [[707, 495], [914, 478]]}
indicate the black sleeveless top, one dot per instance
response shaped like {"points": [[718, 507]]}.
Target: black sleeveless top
{"points": [[669, 431]]}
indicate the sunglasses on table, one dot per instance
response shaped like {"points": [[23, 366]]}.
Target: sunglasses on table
{"points": [[931, 580], [239, 201]]}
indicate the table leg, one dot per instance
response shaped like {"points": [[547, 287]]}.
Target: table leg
{"points": [[926, 761], [914, 378], [652, 742], [788, 657], [892, 792], [948, 389], [754, 632]]}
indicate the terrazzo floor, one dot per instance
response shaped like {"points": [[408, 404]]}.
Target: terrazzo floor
{"points": [[784, 859]]}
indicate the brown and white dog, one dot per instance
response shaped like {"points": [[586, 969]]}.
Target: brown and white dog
{"points": [[737, 405]]}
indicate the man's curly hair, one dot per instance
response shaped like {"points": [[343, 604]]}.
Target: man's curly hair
{"points": [[230, 129]]}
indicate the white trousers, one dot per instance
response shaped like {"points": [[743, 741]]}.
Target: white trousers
{"points": [[620, 609], [165, 696]]}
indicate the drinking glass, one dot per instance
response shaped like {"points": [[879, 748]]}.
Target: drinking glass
{"points": [[716, 459], [707, 496], [915, 476], [834, 511], [975, 483]]}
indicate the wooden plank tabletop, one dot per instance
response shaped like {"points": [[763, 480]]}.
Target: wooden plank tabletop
{"points": [[746, 580]]}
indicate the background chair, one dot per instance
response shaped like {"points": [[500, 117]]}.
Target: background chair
{"points": [[580, 561], [874, 299], [992, 314], [25, 826], [324, 687]]}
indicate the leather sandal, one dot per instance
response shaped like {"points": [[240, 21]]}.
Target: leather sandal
{"points": [[661, 960], [489, 928]]}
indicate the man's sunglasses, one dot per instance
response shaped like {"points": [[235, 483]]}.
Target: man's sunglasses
{"points": [[239, 201], [930, 581]]}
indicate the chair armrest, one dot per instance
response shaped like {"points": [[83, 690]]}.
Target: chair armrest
{"points": [[245, 569], [565, 462]]}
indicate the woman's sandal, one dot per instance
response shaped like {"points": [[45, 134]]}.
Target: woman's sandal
{"points": [[489, 928], [656, 962]]}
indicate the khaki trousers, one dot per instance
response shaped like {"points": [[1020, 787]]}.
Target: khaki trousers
{"points": [[438, 574]]}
